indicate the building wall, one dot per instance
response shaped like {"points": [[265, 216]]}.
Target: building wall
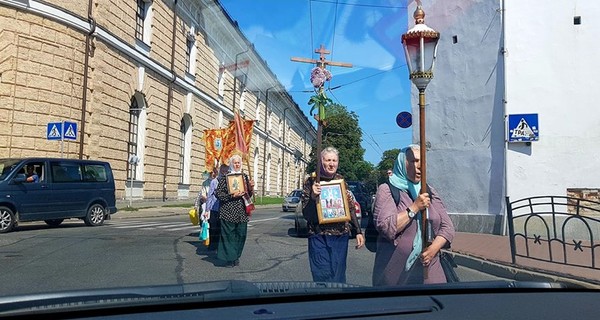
{"points": [[42, 57], [464, 115], [552, 71], [527, 58]]}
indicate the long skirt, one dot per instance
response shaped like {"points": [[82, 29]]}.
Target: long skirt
{"points": [[327, 256], [231, 243]]}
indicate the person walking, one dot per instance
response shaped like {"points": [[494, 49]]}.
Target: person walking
{"points": [[232, 212], [212, 207], [328, 243], [399, 260]]}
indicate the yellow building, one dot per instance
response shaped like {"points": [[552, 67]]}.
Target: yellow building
{"points": [[143, 78]]}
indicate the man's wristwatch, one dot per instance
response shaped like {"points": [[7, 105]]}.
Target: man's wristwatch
{"points": [[411, 214]]}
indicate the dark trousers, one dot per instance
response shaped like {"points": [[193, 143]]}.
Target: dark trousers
{"points": [[233, 238], [327, 256], [214, 230]]}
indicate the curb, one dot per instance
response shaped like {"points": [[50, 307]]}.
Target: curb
{"points": [[516, 273]]}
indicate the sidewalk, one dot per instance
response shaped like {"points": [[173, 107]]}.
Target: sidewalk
{"points": [[484, 252], [491, 254]]}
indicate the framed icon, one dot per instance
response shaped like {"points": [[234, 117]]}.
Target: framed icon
{"points": [[235, 183], [333, 203]]}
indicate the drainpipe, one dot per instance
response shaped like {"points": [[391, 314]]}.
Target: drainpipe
{"points": [[86, 65], [504, 52], [169, 101], [284, 151], [266, 138]]}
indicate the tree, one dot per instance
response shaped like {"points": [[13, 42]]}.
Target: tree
{"points": [[386, 163], [343, 133]]}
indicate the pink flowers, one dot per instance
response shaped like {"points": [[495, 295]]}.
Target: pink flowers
{"points": [[318, 76]]}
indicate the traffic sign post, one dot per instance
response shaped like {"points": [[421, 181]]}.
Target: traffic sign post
{"points": [[64, 130]]}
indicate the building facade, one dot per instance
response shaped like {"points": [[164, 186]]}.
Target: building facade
{"points": [[142, 80], [503, 58]]}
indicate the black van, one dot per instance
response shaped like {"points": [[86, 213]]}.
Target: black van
{"points": [[52, 189]]}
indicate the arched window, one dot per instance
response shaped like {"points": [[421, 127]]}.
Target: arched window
{"points": [[185, 131], [135, 143]]}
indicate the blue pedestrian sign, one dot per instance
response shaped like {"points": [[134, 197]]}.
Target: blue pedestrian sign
{"points": [[70, 130], [523, 127], [54, 131], [61, 130]]}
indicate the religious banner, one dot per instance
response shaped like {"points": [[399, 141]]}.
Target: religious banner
{"points": [[213, 141], [238, 138]]}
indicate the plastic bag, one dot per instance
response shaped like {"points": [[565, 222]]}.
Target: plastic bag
{"points": [[204, 233], [193, 216]]}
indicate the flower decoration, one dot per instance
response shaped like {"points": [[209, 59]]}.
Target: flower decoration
{"points": [[318, 76]]}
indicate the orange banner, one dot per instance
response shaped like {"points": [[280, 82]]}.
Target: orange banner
{"points": [[214, 139], [233, 143]]}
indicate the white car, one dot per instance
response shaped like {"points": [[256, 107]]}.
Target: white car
{"points": [[291, 201]]}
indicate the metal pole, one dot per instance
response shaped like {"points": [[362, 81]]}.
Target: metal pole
{"points": [[62, 138], [423, 145], [131, 189]]}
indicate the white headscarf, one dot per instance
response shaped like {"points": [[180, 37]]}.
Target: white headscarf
{"points": [[231, 168]]}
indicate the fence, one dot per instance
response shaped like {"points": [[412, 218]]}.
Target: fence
{"points": [[556, 229]]}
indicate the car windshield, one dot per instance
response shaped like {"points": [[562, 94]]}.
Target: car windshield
{"points": [[6, 167], [166, 138], [295, 193]]}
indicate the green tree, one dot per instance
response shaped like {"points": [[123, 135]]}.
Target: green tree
{"points": [[386, 163], [343, 133]]}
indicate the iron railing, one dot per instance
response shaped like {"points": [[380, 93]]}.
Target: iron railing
{"points": [[556, 229]]}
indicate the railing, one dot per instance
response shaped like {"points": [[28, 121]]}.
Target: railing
{"points": [[555, 229]]}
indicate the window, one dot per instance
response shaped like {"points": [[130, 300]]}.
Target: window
{"points": [[134, 116], [191, 51], [181, 150], [94, 173], [185, 147], [143, 18], [66, 172]]}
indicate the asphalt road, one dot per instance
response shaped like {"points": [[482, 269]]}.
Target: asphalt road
{"points": [[160, 250]]}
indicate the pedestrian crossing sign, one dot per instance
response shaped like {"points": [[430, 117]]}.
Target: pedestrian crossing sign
{"points": [[61, 131], [523, 127], [69, 130], [54, 131]]}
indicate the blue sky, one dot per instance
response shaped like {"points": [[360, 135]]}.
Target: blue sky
{"points": [[365, 33]]}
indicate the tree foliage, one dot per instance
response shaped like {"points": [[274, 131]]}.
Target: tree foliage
{"points": [[343, 133]]}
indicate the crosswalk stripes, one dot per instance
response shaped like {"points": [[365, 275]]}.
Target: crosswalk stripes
{"points": [[151, 225]]}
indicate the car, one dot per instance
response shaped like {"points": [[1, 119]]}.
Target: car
{"points": [[290, 202], [363, 196], [62, 189]]}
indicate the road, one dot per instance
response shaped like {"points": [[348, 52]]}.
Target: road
{"points": [[160, 250]]}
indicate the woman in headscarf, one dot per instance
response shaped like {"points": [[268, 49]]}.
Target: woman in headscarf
{"points": [[232, 212], [399, 259], [328, 243]]}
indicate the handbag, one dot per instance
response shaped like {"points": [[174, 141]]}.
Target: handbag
{"points": [[448, 265], [193, 216]]}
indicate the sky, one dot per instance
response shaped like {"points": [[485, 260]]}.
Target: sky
{"points": [[364, 33]]}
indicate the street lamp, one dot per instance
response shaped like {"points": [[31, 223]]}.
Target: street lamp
{"points": [[420, 46]]}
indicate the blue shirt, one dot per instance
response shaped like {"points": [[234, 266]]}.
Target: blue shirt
{"points": [[212, 204]]}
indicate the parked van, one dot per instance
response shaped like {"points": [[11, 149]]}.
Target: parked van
{"points": [[51, 190]]}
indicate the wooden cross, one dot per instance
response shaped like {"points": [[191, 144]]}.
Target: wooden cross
{"points": [[321, 63]]}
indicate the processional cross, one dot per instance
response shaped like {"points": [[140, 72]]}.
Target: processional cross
{"points": [[320, 100]]}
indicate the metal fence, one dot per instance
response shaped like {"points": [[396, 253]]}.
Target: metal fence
{"points": [[556, 229]]}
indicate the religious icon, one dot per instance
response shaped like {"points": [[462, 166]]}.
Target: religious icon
{"points": [[235, 183], [333, 202]]}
